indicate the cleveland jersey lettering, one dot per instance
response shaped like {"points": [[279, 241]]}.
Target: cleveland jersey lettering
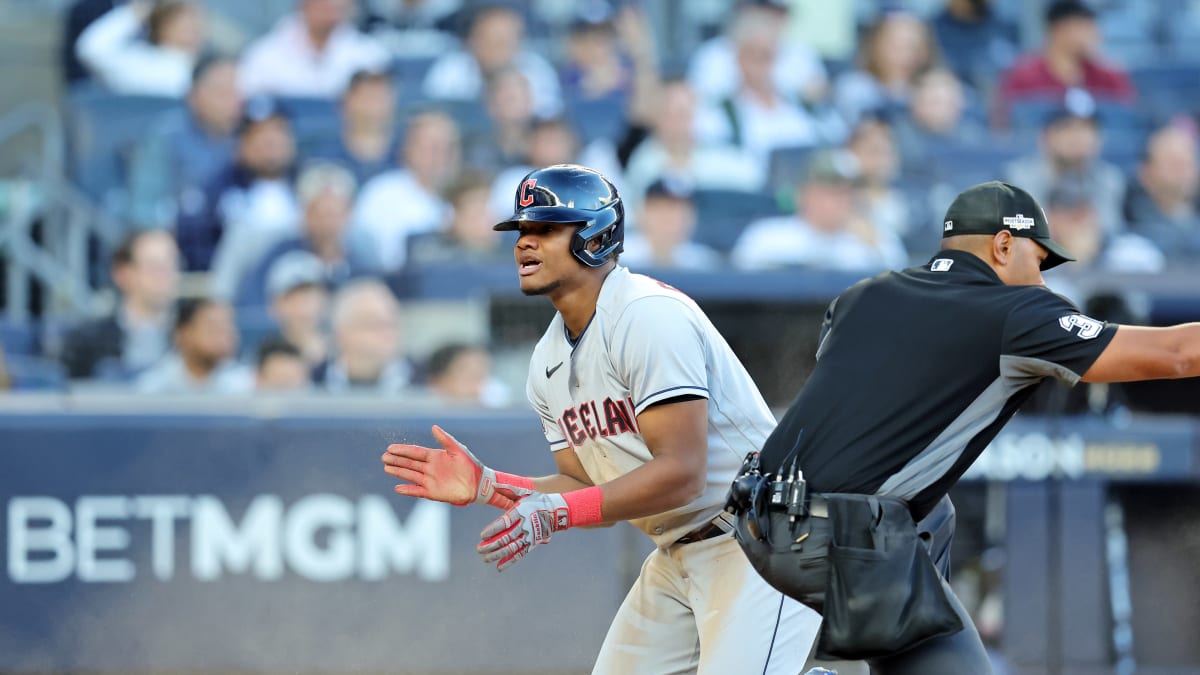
{"points": [[592, 420]]}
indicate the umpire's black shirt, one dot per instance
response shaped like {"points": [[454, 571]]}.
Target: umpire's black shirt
{"points": [[918, 370]]}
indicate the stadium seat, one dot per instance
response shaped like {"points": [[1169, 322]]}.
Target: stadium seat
{"points": [[1168, 89], [17, 337], [101, 129], [1124, 149], [598, 118], [33, 373], [254, 326], [314, 120], [963, 166], [112, 371], [722, 215], [1030, 116], [408, 74], [786, 166], [470, 116]]}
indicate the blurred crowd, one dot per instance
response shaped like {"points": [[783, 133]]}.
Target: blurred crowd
{"points": [[295, 171]]}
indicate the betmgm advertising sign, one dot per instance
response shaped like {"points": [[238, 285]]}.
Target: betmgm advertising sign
{"points": [[320, 537], [209, 544]]}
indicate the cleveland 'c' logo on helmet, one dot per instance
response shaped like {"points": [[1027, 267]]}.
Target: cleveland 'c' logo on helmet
{"points": [[525, 195]]}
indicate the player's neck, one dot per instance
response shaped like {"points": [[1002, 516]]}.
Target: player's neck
{"points": [[578, 303], [577, 308]]}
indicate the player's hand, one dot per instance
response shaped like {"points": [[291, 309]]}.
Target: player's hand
{"points": [[530, 523], [450, 474]]}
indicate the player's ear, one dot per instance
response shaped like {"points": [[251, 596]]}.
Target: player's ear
{"points": [[1002, 246]]}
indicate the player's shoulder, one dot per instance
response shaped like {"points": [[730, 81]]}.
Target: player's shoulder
{"points": [[632, 294]]}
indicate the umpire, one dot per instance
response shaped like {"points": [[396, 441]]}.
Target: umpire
{"points": [[916, 372]]}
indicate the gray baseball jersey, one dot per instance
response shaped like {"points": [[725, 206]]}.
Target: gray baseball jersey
{"points": [[646, 343]]}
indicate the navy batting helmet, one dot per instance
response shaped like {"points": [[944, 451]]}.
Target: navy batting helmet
{"points": [[569, 193]]}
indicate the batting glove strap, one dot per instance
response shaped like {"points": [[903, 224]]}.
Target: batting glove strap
{"points": [[500, 489]]}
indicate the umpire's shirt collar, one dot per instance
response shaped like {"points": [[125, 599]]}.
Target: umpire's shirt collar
{"points": [[962, 267]]}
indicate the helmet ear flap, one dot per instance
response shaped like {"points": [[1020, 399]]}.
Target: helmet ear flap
{"points": [[607, 228]]}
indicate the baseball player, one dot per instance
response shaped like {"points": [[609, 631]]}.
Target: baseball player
{"points": [[648, 413]]}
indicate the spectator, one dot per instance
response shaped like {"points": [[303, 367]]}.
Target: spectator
{"points": [[311, 53], [796, 69], [604, 52], [494, 42], [326, 195], [662, 238], [934, 121], [145, 271], [430, 159], [976, 42], [161, 65], [300, 304], [551, 141], [1161, 202], [461, 374], [885, 207], [896, 49], [505, 140], [254, 192], [469, 238], [366, 332], [80, 15], [1069, 149], [281, 368], [1075, 223], [1069, 60], [827, 232], [177, 159], [206, 341], [758, 117], [672, 151], [368, 141]]}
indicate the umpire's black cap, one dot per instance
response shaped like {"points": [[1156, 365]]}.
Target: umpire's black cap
{"points": [[993, 207]]}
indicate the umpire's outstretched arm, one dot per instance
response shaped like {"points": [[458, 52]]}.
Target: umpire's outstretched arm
{"points": [[1143, 353]]}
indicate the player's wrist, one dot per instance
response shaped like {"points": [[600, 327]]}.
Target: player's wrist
{"points": [[512, 480], [500, 489], [584, 506]]}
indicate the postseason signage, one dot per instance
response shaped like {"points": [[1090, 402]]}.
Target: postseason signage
{"points": [[234, 544]]}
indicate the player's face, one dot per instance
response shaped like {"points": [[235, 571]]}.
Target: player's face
{"points": [[544, 261]]}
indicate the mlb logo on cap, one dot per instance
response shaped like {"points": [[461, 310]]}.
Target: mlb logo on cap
{"points": [[1019, 222]]}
